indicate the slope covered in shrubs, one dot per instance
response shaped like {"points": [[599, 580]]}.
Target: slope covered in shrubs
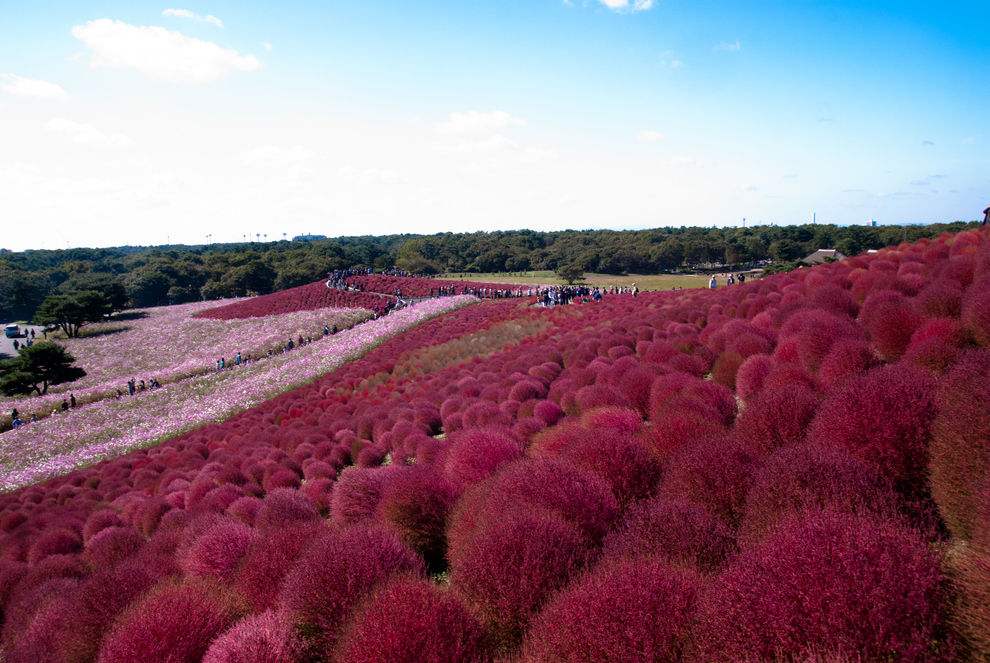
{"points": [[791, 469], [302, 298]]}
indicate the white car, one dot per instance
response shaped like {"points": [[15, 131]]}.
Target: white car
{"points": [[12, 331]]}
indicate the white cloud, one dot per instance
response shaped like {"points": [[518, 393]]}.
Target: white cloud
{"points": [[489, 145], [676, 64], [625, 5], [185, 13], [87, 134], [267, 46], [649, 136], [748, 186], [474, 122], [159, 53], [687, 161], [297, 154], [33, 88], [725, 46]]}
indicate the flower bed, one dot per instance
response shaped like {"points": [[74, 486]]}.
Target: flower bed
{"points": [[424, 287], [304, 298], [172, 344], [690, 475], [111, 427]]}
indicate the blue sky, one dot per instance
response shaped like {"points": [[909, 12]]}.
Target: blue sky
{"points": [[139, 123]]}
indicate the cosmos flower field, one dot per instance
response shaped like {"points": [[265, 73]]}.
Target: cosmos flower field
{"points": [[790, 469], [169, 344]]}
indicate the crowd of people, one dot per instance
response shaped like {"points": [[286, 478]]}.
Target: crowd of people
{"points": [[728, 281], [67, 404], [336, 278]]}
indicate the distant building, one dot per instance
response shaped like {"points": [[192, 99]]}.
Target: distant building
{"points": [[820, 255], [871, 223], [299, 238]]}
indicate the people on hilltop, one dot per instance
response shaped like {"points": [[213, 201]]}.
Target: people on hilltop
{"points": [[72, 400]]}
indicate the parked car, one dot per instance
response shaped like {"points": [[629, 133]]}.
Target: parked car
{"points": [[12, 331]]}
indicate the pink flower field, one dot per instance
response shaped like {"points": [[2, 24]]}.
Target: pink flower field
{"points": [[171, 344], [795, 468], [110, 427]]}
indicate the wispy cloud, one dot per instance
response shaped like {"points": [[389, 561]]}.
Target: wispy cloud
{"points": [[649, 136], [33, 88], [725, 46], [159, 53], [919, 182], [927, 143], [748, 186], [627, 6], [687, 161], [185, 13], [474, 122], [86, 134], [267, 46]]}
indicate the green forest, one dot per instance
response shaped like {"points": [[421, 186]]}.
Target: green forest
{"points": [[152, 276]]}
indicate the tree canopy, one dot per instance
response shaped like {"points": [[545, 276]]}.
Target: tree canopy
{"points": [[36, 368]]}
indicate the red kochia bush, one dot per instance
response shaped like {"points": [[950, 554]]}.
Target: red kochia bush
{"points": [[554, 485], [336, 571], [682, 534], [960, 448], [476, 453], [776, 417], [416, 506], [173, 622], [270, 557], [511, 567], [715, 473], [976, 311], [847, 358], [809, 477], [629, 612], [264, 638], [410, 620], [830, 583], [217, 552], [884, 418]]}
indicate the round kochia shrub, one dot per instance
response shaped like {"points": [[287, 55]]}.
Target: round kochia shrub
{"points": [[829, 583], [416, 506], [714, 473], [776, 417], [678, 532], [335, 572], [808, 477], [476, 453], [264, 638], [510, 568], [173, 622], [554, 485], [410, 620], [960, 451], [633, 611], [885, 418]]}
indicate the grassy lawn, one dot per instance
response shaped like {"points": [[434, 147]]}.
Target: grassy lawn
{"points": [[643, 281]]}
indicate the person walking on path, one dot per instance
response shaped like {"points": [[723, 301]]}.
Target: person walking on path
{"points": [[238, 358], [713, 283]]}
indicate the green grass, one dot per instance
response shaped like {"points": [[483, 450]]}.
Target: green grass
{"points": [[643, 281]]}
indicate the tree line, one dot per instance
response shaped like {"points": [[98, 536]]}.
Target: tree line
{"points": [[86, 284]]}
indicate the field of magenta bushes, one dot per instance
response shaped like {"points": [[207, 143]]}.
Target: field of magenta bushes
{"points": [[171, 343], [411, 286], [110, 427], [310, 297], [790, 469]]}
